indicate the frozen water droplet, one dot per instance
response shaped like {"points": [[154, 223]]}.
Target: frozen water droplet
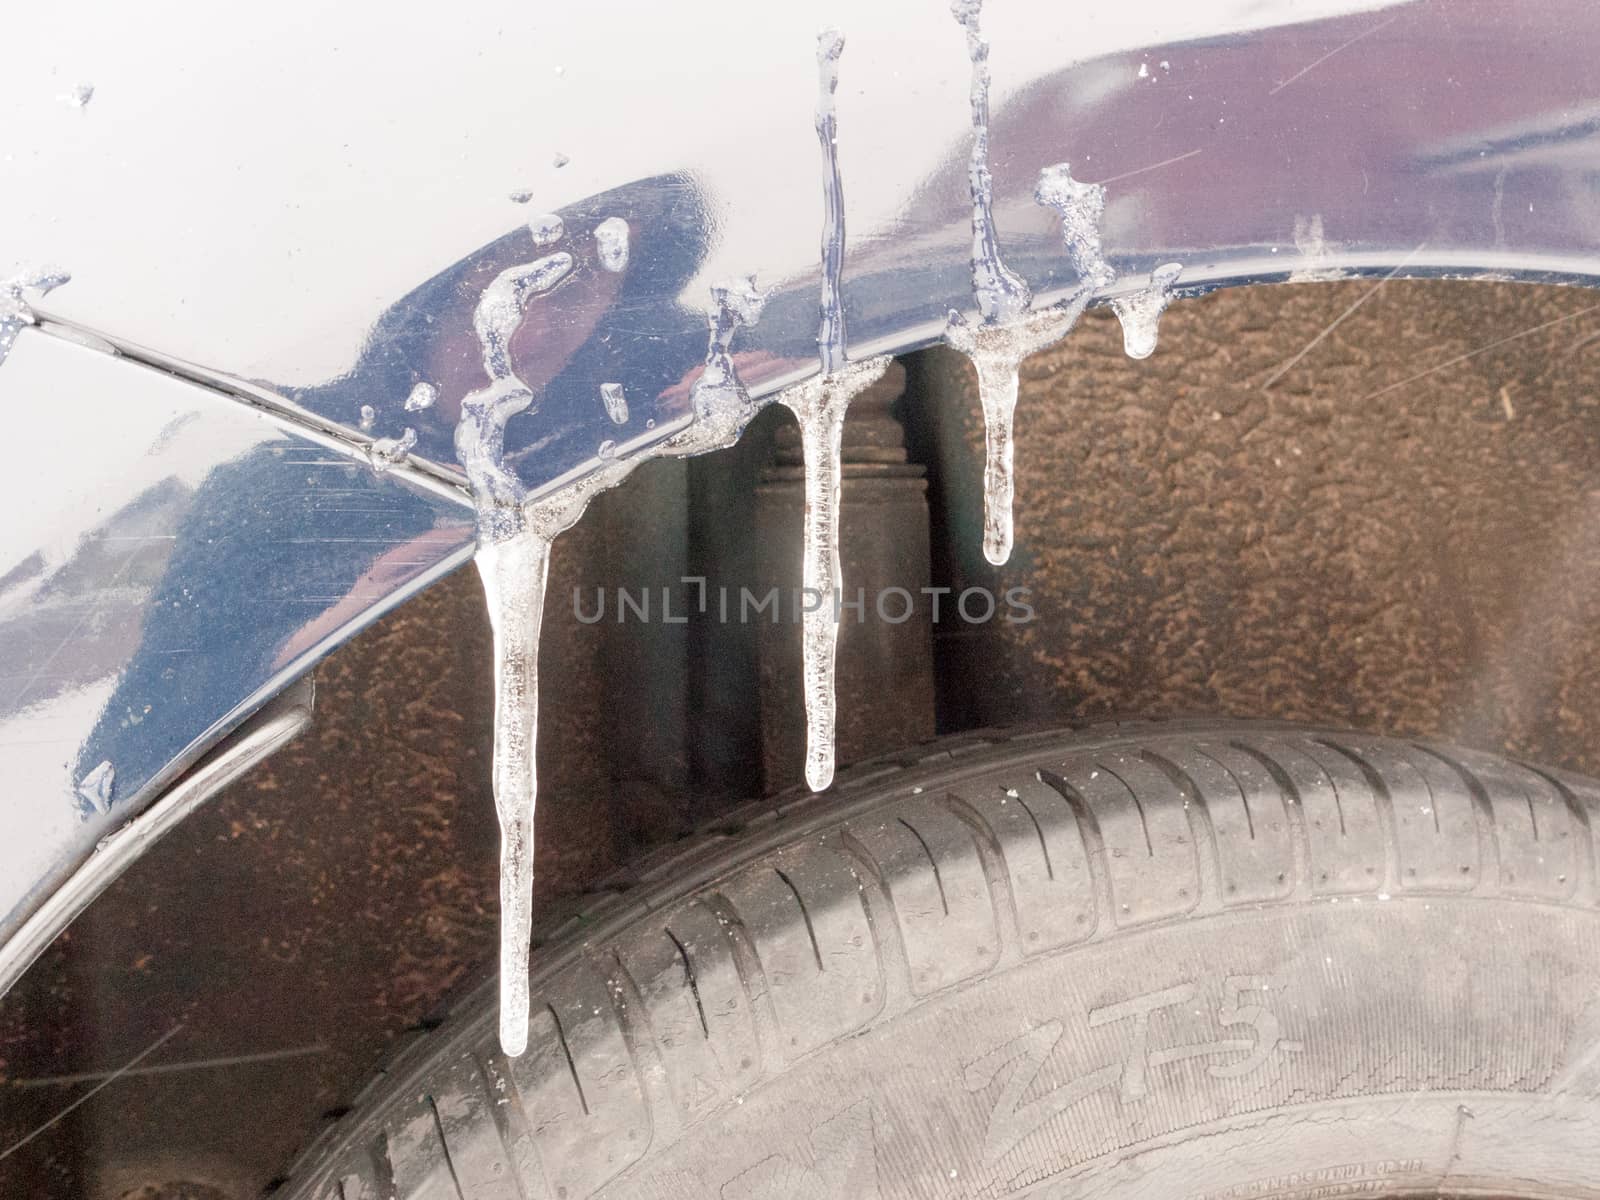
{"points": [[718, 399], [521, 197], [96, 788], [608, 449], [819, 406], [422, 397], [500, 307], [1012, 793], [1144, 70], [650, 424], [611, 242], [559, 160], [390, 452], [15, 315], [831, 330], [1316, 256], [1140, 313], [546, 229], [369, 416], [616, 403], [1080, 206]]}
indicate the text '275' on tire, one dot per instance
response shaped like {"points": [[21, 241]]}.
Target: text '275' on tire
{"points": [[1207, 960]]}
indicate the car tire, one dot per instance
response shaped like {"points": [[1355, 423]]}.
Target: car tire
{"points": [[1208, 959]]}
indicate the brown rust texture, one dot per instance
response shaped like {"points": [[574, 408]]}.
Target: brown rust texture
{"points": [[1419, 559], [1392, 536]]}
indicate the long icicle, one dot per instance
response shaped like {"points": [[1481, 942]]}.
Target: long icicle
{"points": [[513, 573], [512, 559], [819, 405]]}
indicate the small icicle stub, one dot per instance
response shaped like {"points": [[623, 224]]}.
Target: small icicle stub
{"points": [[389, 452], [1140, 313], [15, 315], [1011, 329], [819, 405]]}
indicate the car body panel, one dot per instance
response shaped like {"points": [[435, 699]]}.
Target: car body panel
{"points": [[277, 225]]}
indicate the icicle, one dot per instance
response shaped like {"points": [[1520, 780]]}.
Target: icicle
{"points": [[513, 571], [513, 560], [1011, 330], [1140, 313], [997, 352], [819, 406], [422, 397], [15, 315]]}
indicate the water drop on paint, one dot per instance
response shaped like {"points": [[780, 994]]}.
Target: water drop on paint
{"points": [[611, 242]]}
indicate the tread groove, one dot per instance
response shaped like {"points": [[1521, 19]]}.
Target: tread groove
{"points": [[444, 1148], [382, 1164], [1583, 858], [688, 977], [1244, 796], [1294, 807], [938, 881], [1138, 805], [992, 855], [566, 1050], [1384, 800], [894, 964], [1093, 841], [1486, 826], [1044, 848], [805, 916], [504, 1105], [1198, 814], [752, 974]]}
